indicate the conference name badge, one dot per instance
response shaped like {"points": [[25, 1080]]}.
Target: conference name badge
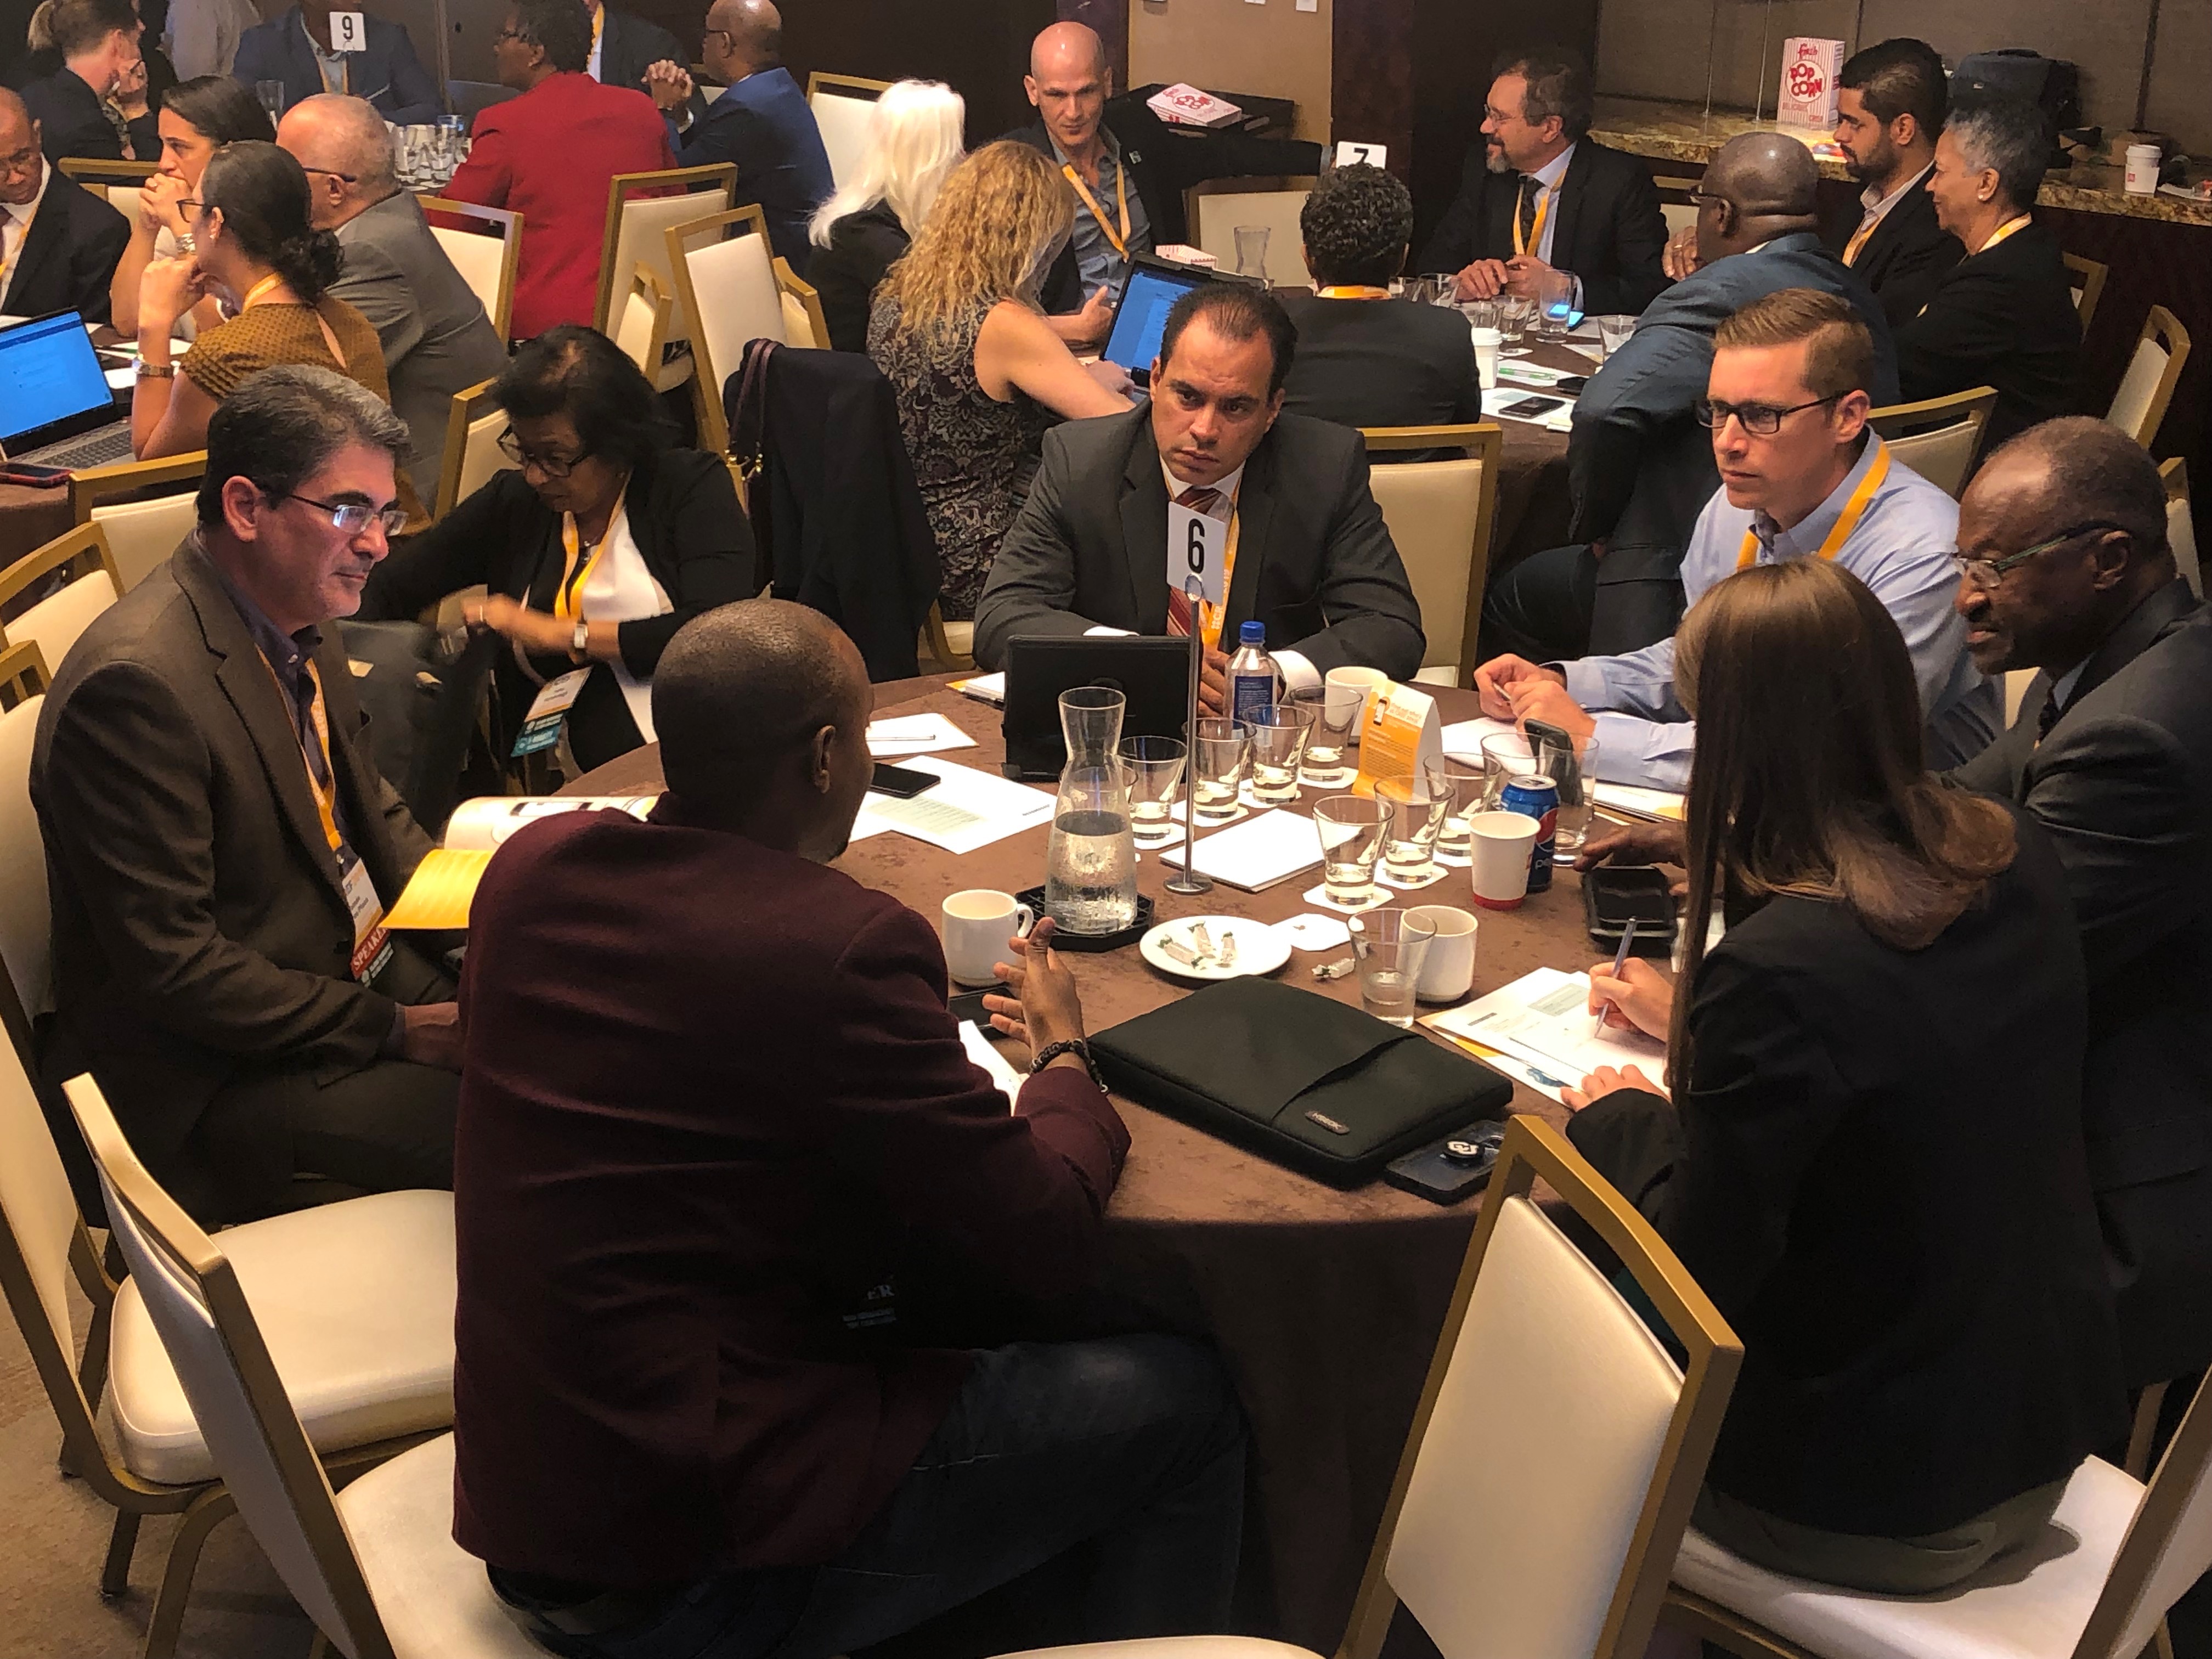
{"points": [[1402, 732], [371, 944], [1198, 548], [541, 728]]}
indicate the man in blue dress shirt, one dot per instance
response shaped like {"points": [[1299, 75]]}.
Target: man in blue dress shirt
{"points": [[1801, 477], [761, 121]]}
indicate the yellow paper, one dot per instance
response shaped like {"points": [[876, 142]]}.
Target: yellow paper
{"points": [[444, 886], [1396, 737]]}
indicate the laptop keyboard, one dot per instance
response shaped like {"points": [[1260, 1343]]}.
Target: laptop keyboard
{"points": [[103, 447]]}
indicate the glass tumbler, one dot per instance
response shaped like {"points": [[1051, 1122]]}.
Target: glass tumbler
{"points": [[1574, 769], [1277, 737], [1514, 314], [1350, 828], [1464, 782], [1390, 946], [1218, 750], [1155, 768], [1251, 250], [1336, 710], [1417, 815]]}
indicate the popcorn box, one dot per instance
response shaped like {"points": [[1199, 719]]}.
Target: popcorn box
{"points": [[1183, 105], [1807, 93]]}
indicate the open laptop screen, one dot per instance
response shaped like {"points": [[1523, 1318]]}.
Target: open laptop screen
{"points": [[1148, 295], [51, 385]]}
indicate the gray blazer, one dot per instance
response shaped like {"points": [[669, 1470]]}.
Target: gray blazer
{"points": [[2123, 785], [1314, 561], [436, 338]]}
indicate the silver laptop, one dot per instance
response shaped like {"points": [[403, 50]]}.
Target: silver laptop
{"points": [[56, 406]]}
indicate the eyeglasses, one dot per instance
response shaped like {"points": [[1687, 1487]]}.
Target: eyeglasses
{"points": [[354, 517], [1760, 420], [553, 466], [332, 173], [726, 34], [1986, 574], [507, 34]]}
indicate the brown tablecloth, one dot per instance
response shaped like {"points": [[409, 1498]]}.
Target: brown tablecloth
{"points": [[1325, 1304], [1533, 505], [29, 519]]}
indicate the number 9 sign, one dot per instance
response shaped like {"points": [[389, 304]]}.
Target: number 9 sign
{"points": [[348, 31]]}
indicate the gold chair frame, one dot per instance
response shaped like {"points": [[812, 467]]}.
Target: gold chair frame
{"points": [[1931, 415], [2162, 326], [697, 181], [97, 486], [468, 408], [1482, 440], [58, 554], [706, 381], [509, 224], [2093, 276]]}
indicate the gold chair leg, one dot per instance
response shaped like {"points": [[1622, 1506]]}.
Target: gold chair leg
{"points": [[115, 1573], [200, 1518], [320, 1647], [2162, 1643], [92, 1373]]}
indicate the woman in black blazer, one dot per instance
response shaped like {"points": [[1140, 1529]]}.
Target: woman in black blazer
{"points": [[1874, 1161], [604, 542]]}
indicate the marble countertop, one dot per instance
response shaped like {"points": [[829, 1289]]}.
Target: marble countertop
{"points": [[1684, 133]]}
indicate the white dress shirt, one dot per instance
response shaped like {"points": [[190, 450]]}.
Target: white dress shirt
{"points": [[1298, 674], [16, 226]]}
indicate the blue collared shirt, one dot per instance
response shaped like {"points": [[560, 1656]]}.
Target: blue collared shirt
{"points": [[1096, 261], [1900, 549], [286, 655]]}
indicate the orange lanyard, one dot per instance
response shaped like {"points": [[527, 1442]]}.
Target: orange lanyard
{"points": [[1210, 614], [1859, 240], [258, 290], [1854, 510], [1355, 291], [1120, 191], [326, 795], [1536, 227], [2011, 228], [568, 598]]}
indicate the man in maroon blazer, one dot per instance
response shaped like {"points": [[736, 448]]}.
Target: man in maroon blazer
{"points": [[717, 1138], [550, 155]]}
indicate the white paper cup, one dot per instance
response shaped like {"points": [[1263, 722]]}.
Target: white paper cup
{"points": [[1502, 845], [1447, 969], [1488, 342], [1370, 681], [977, 925], [2142, 169]]}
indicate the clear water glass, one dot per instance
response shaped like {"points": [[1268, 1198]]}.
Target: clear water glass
{"points": [[1251, 250], [1390, 946], [1573, 769], [1464, 782], [1555, 299], [1514, 314], [1217, 751], [1277, 737], [1613, 332], [269, 94], [1336, 710], [1155, 768], [1351, 829], [1444, 288], [1417, 817]]}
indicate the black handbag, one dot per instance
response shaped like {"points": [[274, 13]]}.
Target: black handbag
{"points": [[1308, 1082]]}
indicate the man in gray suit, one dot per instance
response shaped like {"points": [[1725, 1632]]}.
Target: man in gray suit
{"points": [[1639, 465], [436, 339], [221, 848], [1308, 553]]}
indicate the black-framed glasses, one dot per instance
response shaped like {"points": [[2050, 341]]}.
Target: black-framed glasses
{"points": [[507, 34], [1988, 572], [332, 173], [726, 34], [553, 466], [354, 517], [1760, 420]]}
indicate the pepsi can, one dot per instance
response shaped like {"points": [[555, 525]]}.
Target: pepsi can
{"points": [[1538, 797]]}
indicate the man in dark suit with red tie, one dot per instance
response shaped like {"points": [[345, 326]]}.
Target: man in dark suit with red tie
{"points": [[1890, 103], [1540, 194]]}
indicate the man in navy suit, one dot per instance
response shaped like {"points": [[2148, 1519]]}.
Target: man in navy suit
{"points": [[1639, 465], [59, 244], [761, 121], [297, 48]]}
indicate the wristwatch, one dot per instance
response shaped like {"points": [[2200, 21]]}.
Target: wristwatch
{"points": [[1075, 1046], [580, 642]]}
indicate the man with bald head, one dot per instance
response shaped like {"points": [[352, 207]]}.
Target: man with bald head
{"points": [[58, 245], [1640, 466], [2065, 572], [723, 1171], [436, 339], [1128, 171], [760, 120]]}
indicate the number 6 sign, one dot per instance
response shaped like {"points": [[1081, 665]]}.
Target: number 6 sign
{"points": [[349, 32], [1198, 546]]}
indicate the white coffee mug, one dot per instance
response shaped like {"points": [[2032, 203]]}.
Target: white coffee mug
{"points": [[977, 925], [2143, 162], [1370, 681], [1502, 845], [1447, 969]]}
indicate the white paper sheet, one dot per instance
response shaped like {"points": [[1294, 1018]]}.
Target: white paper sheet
{"points": [[968, 808], [914, 734], [488, 820], [1257, 853], [985, 1053], [1497, 401], [1543, 1018], [1627, 800], [984, 688], [1465, 736]]}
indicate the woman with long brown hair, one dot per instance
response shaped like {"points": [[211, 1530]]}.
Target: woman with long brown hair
{"points": [[979, 374], [1873, 1159]]}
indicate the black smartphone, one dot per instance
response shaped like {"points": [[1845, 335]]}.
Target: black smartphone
{"points": [[968, 1004], [1445, 1171], [1542, 735], [1529, 408], [901, 782], [35, 477], [1614, 895]]}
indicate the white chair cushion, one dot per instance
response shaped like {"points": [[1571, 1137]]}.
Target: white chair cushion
{"points": [[1172, 1647], [355, 1302], [2030, 1604], [431, 1593]]}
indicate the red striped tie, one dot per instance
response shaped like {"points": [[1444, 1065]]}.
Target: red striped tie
{"points": [[1199, 499]]}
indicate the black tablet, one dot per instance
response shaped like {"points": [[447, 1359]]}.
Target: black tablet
{"points": [[1152, 673]]}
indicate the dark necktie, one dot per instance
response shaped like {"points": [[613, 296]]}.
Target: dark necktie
{"points": [[1199, 499], [2047, 718], [1525, 213], [121, 123]]}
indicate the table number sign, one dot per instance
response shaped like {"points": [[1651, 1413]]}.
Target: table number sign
{"points": [[1351, 154], [348, 31], [1401, 732], [1198, 546]]}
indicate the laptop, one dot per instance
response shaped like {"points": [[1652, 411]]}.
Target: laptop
{"points": [[1153, 672], [56, 406], [1149, 291]]}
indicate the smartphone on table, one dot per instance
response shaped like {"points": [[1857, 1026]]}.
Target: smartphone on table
{"points": [[903, 782]]}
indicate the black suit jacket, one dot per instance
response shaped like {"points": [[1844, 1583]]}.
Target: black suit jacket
{"points": [[70, 251], [1611, 232], [70, 122], [200, 927], [1381, 362], [1907, 255], [2002, 318], [2124, 786], [683, 511], [1162, 165], [630, 44], [863, 245], [1876, 1173], [1314, 561]]}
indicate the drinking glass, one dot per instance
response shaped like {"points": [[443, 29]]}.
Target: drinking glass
{"points": [[1416, 815], [1419, 290], [1155, 766], [1574, 770], [1218, 748], [1336, 710], [1613, 332], [1277, 737], [1464, 782], [1391, 945], [1444, 288], [270, 95], [1555, 299], [1351, 828], [1514, 312], [1251, 250]]}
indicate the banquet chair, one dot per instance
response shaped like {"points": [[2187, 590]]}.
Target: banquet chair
{"points": [[104, 178], [729, 282], [1939, 438], [486, 258], [1675, 205], [1556, 1448], [52, 596], [2180, 525], [473, 430], [2095, 1585], [641, 206], [1216, 214], [374, 1566], [641, 328], [357, 1297], [142, 528], [804, 321], [1440, 513], [27, 958], [2086, 278], [2161, 350], [842, 105]]}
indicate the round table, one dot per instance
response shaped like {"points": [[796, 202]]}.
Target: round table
{"points": [[1534, 504], [1325, 1304], [29, 519]]}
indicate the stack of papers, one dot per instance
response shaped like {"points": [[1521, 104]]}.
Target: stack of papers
{"points": [[985, 1053], [914, 734], [984, 688], [968, 808], [1257, 853], [1626, 801], [444, 886], [1541, 1027]]}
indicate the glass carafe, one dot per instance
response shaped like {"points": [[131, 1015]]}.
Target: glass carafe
{"points": [[1091, 864]]}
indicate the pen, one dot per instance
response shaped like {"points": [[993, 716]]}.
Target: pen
{"points": [[1620, 961]]}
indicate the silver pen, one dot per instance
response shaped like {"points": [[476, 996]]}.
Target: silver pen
{"points": [[1620, 961]]}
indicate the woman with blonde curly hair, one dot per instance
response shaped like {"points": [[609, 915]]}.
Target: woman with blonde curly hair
{"points": [[979, 374]]}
